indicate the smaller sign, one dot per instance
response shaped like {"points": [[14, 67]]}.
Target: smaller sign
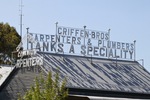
{"points": [[28, 62], [26, 53]]}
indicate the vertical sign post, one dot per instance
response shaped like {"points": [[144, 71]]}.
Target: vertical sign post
{"points": [[134, 50], [56, 36], [27, 36], [84, 34]]}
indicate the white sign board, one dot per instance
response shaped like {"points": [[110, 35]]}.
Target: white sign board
{"points": [[82, 42]]}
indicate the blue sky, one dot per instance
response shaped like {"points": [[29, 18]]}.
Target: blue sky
{"points": [[128, 20]]}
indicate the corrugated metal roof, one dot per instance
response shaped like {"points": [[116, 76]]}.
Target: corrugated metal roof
{"points": [[99, 74]]}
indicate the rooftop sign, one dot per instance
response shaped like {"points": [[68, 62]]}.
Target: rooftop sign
{"points": [[84, 42]]}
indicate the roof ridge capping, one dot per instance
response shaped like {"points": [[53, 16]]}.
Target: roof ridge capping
{"points": [[90, 58]]}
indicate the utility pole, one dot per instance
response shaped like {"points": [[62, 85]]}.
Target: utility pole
{"points": [[21, 18]]}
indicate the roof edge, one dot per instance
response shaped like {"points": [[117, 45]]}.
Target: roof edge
{"points": [[104, 93]]}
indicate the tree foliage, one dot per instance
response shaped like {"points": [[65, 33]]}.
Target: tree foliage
{"points": [[47, 89], [9, 39]]}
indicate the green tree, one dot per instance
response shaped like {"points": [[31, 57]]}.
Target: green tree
{"points": [[47, 89], [9, 39]]}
